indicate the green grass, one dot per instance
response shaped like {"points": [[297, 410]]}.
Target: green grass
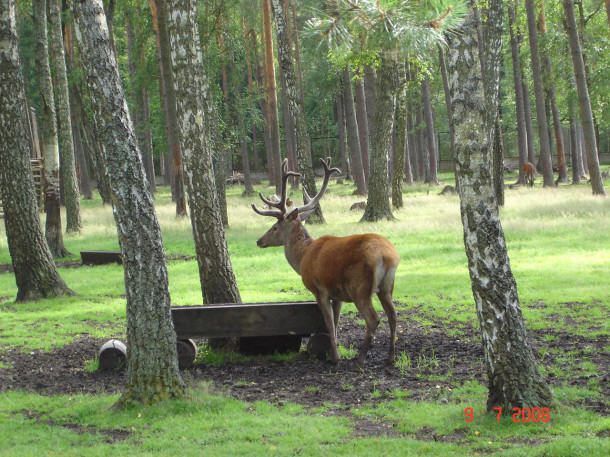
{"points": [[559, 246]]}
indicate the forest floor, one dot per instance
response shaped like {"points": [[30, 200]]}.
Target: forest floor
{"points": [[430, 364]]}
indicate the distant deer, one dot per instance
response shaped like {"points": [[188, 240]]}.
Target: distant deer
{"points": [[335, 269], [529, 170]]}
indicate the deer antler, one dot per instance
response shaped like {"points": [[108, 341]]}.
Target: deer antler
{"points": [[281, 205], [311, 203]]}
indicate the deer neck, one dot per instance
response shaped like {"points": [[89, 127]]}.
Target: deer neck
{"points": [[295, 247]]}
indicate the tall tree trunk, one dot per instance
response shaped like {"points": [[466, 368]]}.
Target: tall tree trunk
{"points": [[295, 107], [378, 202], [543, 129], [35, 271], [443, 66], [493, 53], [353, 140], [431, 177], [548, 68], [66, 141], [401, 128], [152, 359], [192, 88], [409, 141], [340, 120], [518, 85], [48, 131], [159, 9], [275, 154], [529, 125], [586, 114], [512, 370], [574, 146], [363, 128]]}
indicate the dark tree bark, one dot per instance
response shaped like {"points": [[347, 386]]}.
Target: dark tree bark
{"points": [[378, 202], [574, 146], [275, 154], [363, 128], [353, 140], [431, 177], [295, 107], [340, 120], [518, 84], [586, 114], [443, 66], [48, 131], [551, 97], [66, 141], [35, 271], [401, 137], [159, 9], [512, 370], [152, 359], [192, 87], [543, 129], [529, 125]]}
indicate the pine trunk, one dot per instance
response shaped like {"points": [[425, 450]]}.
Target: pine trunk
{"points": [[586, 114], [192, 88], [169, 104], [512, 371], [543, 129], [275, 154], [152, 360], [378, 202], [401, 138], [353, 141], [518, 85], [431, 177]]}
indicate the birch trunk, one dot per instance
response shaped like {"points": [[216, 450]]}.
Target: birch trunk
{"points": [[66, 140], [35, 271], [192, 87], [512, 371], [48, 131], [152, 360]]}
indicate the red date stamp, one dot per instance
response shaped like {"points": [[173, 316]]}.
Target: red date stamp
{"points": [[519, 414]]}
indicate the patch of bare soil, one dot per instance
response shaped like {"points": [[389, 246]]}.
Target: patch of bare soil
{"points": [[434, 363]]}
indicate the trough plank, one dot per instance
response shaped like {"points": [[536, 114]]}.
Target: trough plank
{"points": [[247, 319]]}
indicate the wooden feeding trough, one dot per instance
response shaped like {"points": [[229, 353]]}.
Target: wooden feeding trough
{"points": [[262, 328], [100, 257]]}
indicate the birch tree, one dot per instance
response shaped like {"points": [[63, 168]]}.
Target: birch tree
{"points": [[35, 271], [152, 359], [192, 87], [512, 369]]}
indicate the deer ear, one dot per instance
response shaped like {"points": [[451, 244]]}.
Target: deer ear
{"points": [[306, 214]]}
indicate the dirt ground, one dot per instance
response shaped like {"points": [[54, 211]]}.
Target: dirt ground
{"points": [[438, 363]]}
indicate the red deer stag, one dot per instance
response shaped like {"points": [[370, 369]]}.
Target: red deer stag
{"points": [[335, 269], [529, 171]]}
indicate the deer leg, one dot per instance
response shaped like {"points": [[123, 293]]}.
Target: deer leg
{"points": [[327, 312], [337, 305], [388, 306], [372, 322]]}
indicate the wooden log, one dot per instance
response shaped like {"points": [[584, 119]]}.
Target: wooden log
{"points": [[100, 257], [247, 319]]}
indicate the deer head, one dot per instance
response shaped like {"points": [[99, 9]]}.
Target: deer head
{"points": [[278, 234]]}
